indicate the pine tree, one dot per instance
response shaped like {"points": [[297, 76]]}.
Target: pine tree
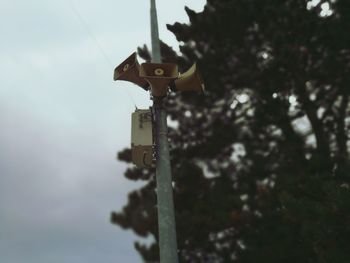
{"points": [[261, 161]]}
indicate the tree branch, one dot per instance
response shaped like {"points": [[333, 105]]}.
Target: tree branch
{"points": [[341, 134], [316, 124]]}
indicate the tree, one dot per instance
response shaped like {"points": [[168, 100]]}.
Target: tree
{"points": [[260, 162]]}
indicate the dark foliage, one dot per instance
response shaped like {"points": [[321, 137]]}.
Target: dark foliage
{"points": [[261, 161]]}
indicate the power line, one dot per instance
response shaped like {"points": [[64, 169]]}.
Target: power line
{"points": [[89, 31], [98, 45]]}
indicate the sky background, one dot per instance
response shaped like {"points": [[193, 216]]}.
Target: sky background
{"points": [[62, 121]]}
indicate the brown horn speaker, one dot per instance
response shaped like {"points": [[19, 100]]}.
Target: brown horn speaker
{"points": [[189, 81], [159, 76], [128, 70]]}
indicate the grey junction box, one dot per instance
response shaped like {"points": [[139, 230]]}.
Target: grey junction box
{"points": [[142, 138]]}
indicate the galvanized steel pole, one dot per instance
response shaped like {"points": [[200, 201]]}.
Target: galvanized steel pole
{"points": [[156, 57], [165, 203]]}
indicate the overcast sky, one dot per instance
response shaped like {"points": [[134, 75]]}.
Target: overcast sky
{"points": [[62, 121]]}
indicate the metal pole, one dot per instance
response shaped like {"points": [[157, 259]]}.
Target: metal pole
{"points": [[156, 57], [165, 203]]}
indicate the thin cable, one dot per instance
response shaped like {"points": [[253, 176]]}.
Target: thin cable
{"points": [[91, 34], [87, 28]]}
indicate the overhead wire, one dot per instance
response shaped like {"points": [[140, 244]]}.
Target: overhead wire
{"points": [[97, 43]]}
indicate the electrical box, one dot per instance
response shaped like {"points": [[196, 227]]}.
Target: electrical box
{"points": [[142, 138]]}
